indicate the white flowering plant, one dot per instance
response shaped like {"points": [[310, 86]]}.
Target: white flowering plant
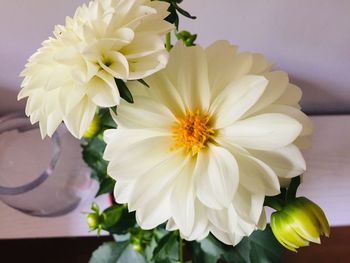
{"points": [[192, 143]]}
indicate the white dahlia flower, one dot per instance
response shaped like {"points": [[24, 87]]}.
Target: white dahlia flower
{"points": [[204, 145], [73, 73]]}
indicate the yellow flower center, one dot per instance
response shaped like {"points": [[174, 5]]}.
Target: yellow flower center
{"points": [[192, 131]]}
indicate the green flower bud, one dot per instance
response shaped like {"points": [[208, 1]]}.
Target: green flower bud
{"points": [[94, 127], [298, 223], [137, 248], [186, 37], [93, 221]]}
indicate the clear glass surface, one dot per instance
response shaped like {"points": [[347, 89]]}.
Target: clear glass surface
{"points": [[40, 177]]}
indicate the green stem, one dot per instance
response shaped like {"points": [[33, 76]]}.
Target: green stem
{"points": [[292, 188], [273, 202], [180, 249], [168, 41]]}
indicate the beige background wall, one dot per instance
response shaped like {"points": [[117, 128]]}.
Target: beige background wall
{"points": [[309, 39]]}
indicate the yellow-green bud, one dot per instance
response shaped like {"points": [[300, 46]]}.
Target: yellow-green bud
{"points": [[93, 221], [298, 223], [94, 127], [138, 248]]}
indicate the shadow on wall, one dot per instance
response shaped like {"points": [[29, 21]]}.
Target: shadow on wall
{"points": [[9, 103], [318, 99]]}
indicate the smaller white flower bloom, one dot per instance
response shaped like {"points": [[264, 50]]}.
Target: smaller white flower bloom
{"points": [[75, 72]]}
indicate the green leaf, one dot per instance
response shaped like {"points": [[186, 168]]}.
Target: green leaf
{"points": [[172, 18], [125, 222], [124, 91], [167, 249], [112, 215], [199, 256], [116, 252], [130, 255], [143, 82], [106, 119], [149, 249], [106, 186], [184, 12], [259, 247], [265, 247], [120, 238], [212, 249], [187, 38], [92, 154], [239, 253]]}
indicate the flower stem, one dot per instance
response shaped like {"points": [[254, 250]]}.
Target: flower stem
{"points": [[292, 188], [180, 249], [168, 41], [273, 202]]}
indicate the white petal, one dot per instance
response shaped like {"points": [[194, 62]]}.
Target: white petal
{"points": [[182, 200], [204, 189], [244, 228], [227, 238], [262, 220], [225, 219], [260, 64], [103, 91], [303, 142], [248, 205], [144, 44], [287, 162], [256, 176], [216, 184], [277, 84], [162, 90], [123, 189], [70, 96], [293, 112], [163, 174], [118, 139], [145, 112], [191, 78], [224, 66], [119, 166], [200, 225], [155, 212], [35, 101], [263, 132], [236, 99], [118, 65], [291, 96], [145, 66], [79, 119], [54, 119], [171, 226]]}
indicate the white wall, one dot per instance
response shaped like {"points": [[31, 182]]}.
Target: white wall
{"points": [[310, 39]]}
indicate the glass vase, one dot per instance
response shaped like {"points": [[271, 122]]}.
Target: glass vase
{"points": [[40, 177]]}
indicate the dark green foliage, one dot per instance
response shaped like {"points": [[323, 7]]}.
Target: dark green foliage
{"points": [[124, 91], [174, 9], [116, 252], [167, 249], [187, 38], [259, 247], [143, 82]]}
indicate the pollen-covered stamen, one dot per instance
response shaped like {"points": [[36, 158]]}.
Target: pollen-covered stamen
{"points": [[192, 131]]}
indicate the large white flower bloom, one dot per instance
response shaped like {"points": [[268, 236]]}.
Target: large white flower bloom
{"points": [[204, 145], [74, 72]]}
